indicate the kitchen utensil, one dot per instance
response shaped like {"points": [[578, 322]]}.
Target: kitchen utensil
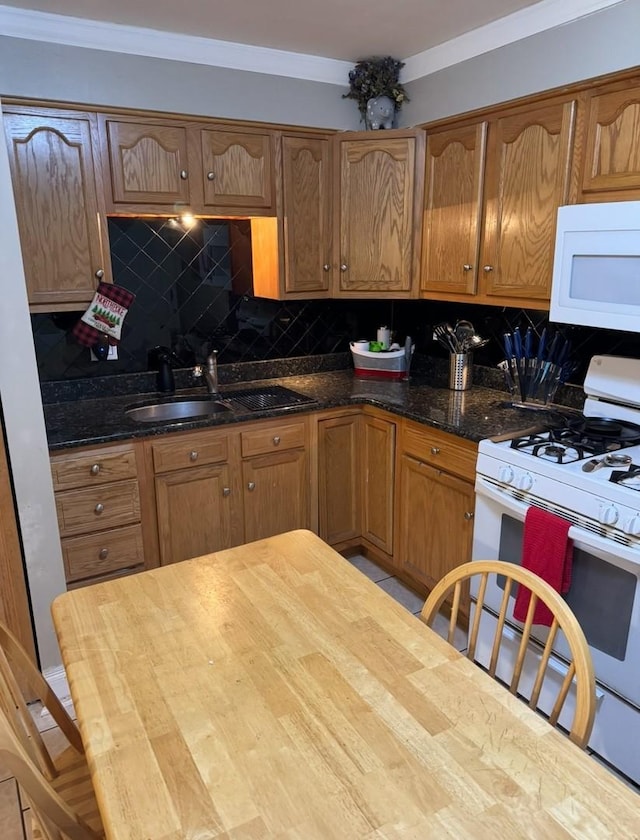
{"points": [[611, 459], [445, 336], [463, 330]]}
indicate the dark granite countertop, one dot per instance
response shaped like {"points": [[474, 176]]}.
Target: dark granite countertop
{"points": [[473, 414]]}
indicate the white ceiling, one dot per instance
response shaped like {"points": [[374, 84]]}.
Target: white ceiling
{"points": [[336, 30]]}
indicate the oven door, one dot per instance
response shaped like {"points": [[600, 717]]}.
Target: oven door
{"points": [[603, 593]]}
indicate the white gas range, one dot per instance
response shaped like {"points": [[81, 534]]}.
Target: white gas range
{"points": [[586, 469]]}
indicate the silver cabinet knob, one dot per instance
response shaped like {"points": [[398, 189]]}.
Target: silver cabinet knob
{"points": [[99, 273], [184, 174], [276, 440], [251, 485], [487, 268], [468, 515], [344, 267], [99, 508], [95, 469], [435, 450], [326, 267], [103, 553], [226, 491], [211, 176], [467, 267], [193, 455]]}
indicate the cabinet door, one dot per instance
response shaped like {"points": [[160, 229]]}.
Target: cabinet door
{"points": [[452, 210], [378, 440], [194, 512], [62, 231], [339, 479], [527, 179], [612, 151], [148, 163], [307, 208], [435, 520], [376, 216], [236, 168], [275, 494]]}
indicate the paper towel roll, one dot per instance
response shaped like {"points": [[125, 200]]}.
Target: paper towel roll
{"points": [[384, 337]]}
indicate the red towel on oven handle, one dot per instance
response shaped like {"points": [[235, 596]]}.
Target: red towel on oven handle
{"points": [[548, 552]]}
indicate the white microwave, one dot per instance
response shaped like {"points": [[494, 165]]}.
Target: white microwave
{"points": [[596, 267]]}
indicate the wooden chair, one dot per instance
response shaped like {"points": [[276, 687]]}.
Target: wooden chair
{"points": [[58, 788], [581, 666]]}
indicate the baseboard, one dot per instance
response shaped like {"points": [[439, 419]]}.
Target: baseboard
{"points": [[57, 680]]}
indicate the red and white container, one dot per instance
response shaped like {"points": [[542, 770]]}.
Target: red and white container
{"points": [[384, 364]]}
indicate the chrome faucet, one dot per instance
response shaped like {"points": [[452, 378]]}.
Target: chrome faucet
{"points": [[210, 372]]}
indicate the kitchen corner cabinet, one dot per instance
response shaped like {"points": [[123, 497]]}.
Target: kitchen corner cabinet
{"points": [[379, 187], [98, 505], [435, 502], [169, 166], [378, 442], [492, 191], [611, 156], [306, 215], [58, 196], [339, 491]]}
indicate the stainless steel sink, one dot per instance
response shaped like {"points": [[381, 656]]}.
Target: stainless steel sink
{"points": [[178, 410]]}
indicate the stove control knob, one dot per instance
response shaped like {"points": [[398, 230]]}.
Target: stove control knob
{"points": [[608, 515], [525, 482], [632, 526], [506, 475]]}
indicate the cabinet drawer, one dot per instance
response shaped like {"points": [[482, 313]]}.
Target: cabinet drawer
{"points": [[83, 511], [273, 438], [99, 554], [93, 467], [441, 450], [190, 451]]}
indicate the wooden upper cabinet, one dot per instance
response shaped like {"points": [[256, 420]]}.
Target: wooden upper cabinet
{"points": [[527, 179], [377, 214], [306, 198], [454, 170], [512, 192], [147, 164], [59, 206], [232, 168], [611, 164]]}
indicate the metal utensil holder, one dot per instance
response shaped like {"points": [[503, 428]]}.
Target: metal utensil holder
{"points": [[460, 371]]}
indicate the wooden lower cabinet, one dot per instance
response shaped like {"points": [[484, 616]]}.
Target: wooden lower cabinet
{"points": [[339, 478], [275, 493], [98, 503], [194, 512], [435, 503], [378, 447]]}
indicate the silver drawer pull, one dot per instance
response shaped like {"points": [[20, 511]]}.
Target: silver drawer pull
{"points": [[251, 485], [326, 267], [95, 469], [211, 176], [276, 440], [184, 174], [103, 553], [193, 455], [99, 508], [467, 267], [487, 268], [226, 491], [468, 515], [435, 450]]}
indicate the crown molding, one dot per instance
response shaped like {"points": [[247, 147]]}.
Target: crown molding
{"points": [[547, 14], [112, 37]]}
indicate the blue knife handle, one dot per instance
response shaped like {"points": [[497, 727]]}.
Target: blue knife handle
{"points": [[508, 346], [517, 343], [563, 352], [552, 348], [542, 344], [528, 343]]}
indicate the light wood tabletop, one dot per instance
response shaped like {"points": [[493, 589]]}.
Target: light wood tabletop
{"points": [[272, 690]]}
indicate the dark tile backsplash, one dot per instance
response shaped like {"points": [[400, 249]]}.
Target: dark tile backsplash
{"points": [[193, 294]]}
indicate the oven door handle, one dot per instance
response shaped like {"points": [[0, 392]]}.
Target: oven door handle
{"points": [[626, 557]]}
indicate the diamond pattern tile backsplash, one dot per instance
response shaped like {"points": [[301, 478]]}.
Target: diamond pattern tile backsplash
{"points": [[194, 294]]}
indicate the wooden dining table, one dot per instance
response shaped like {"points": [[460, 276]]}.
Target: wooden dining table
{"points": [[273, 691]]}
